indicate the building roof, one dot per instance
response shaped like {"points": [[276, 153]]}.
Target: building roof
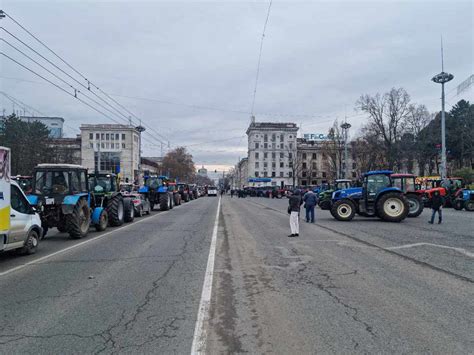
{"points": [[104, 126], [41, 118], [272, 126]]}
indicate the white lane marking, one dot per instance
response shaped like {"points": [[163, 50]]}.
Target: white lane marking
{"points": [[199, 339], [459, 250], [36, 261]]}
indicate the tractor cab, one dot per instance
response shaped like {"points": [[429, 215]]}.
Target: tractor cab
{"points": [[324, 196], [407, 183], [156, 190], [102, 183]]}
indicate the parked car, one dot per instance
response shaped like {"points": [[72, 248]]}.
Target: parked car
{"points": [[141, 205]]}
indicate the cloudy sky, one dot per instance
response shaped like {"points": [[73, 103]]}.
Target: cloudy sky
{"points": [[188, 68]]}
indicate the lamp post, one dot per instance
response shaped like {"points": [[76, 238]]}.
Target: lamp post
{"points": [[140, 129], [443, 78], [345, 127]]}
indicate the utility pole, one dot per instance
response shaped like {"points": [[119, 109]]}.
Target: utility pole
{"points": [[345, 127], [443, 78], [140, 129]]}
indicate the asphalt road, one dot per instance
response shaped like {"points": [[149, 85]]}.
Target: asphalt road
{"points": [[360, 287]]}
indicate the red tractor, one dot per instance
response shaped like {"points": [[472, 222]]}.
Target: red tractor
{"points": [[450, 188], [414, 195]]}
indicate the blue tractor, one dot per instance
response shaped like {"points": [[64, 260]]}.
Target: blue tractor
{"points": [[61, 194], [157, 191], [464, 199], [377, 197]]}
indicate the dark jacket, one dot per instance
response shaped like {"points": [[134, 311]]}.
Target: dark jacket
{"points": [[437, 201], [310, 199], [295, 203]]}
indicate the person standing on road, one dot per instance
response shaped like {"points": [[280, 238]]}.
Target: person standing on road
{"points": [[437, 202], [232, 193], [310, 201], [294, 211]]}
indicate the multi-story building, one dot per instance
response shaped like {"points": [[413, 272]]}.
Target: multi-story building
{"points": [[241, 173], [202, 171], [320, 161], [54, 124], [66, 150], [112, 148], [271, 153]]}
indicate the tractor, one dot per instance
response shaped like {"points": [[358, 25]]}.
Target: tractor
{"points": [[377, 197], [406, 183], [106, 194], [157, 192], [184, 191], [62, 197], [324, 197], [464, 199], [173, 188], [448, 188]]}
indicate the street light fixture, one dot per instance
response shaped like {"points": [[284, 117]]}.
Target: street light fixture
{"points": [[443, 78], [345, 127]]}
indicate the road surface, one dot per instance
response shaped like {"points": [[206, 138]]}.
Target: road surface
{"points": [[359, 287]]}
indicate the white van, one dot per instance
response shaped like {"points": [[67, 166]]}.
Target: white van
{"points": [[25, 224], [20, 225]]}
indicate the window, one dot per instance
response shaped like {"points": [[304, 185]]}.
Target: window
{"points": [[304, 156], [290, 174], [273, 146], [290, 164], [282, 137], [18, 202], [123, 136], [256, 145], [97, 136], [265, 138], [291, 136], [281, 173], [112, 137], [290, 155], [304, 165], [102, 145], [273, 155], [91, 136], [256, 155], [281, 164], [273, 165], [83, 180], [304, 182], [117, 136], [265, 145], [354, 174], [265, 155], [123, 145], [314, 165], [313, 174], [256, 174], [291, 145], [314, 182], [354, 166], [314, 155], [97, 145], [75, 182], [265, 164], [102, 136], [281, 146], [117, 145], [273, 137], [273, 174], [303, 174], [107, 136], [324, 174], [109, 161], [257, 165], [265, 174], [91, 145], [281, 156]]}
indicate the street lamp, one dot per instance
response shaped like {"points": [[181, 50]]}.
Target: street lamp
{"points": [[443, 78], [345, 127]]}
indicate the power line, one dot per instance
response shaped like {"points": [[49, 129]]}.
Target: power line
{"points": [[260, 57], [76, 71], [18, 102]]}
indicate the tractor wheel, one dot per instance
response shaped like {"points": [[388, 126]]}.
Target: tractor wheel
{"points": [[31, 244], [176, 199], [129, 211], [415, 205], [115, 210], [103, 221], [343, 210], [392, 207], [78, 222], [325, 204], [152, 204], [469, 205], [171, 202], [164, 202], [458, 205]]}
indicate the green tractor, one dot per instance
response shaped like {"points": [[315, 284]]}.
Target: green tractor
{"points": [[324, 197], [105, 190]]}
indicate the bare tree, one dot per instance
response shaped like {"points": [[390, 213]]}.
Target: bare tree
{"points": [[387, 116], [294, 163]]}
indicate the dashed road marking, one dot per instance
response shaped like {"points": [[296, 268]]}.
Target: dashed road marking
{"points": [[200, 332]]}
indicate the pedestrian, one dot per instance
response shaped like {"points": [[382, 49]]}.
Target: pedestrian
{"points": [[310, 200], [222, 192], [232, 193], [294, 211], [437, 203]]}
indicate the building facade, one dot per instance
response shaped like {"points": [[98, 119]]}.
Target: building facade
{"points": [[202, 171], [241, 173], [66, 150], [271, 153], [320, 161], [54, 124], [112, 148]]}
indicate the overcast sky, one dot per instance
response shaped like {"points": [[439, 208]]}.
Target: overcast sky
{"points": [[188, 68]]}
